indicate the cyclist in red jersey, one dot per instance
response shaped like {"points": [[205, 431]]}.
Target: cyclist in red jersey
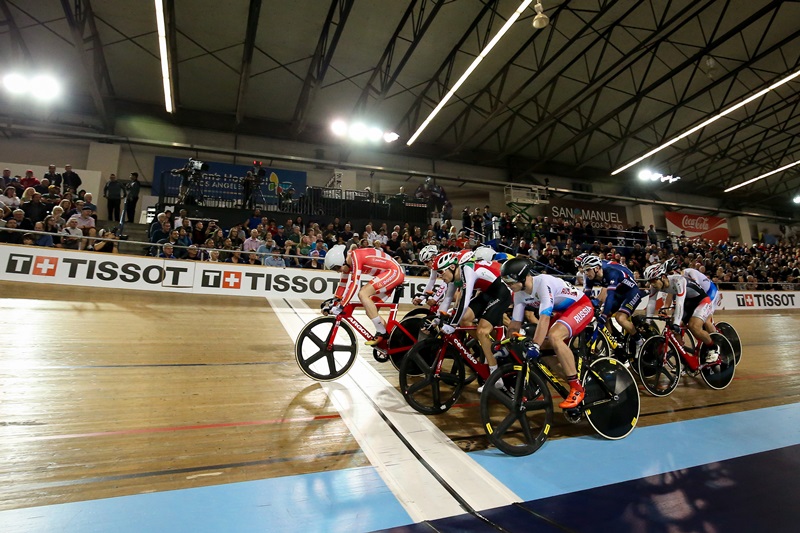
{"points": [[386, 275]]}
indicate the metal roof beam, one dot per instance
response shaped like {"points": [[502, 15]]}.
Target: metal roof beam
{"points": [[19, 49], [321, 60], [247, 56]]}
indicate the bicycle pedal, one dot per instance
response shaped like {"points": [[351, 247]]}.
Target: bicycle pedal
{"points": [[573, 416], [380, 356]]}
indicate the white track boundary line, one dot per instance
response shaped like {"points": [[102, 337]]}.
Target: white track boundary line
{"points": [[356, 396]]}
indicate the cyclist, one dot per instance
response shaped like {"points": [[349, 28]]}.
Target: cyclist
{"points": [[426, 256], [622, 294], [671, 267], [692, 305], [564, 312], [488, 305], [387, 274]]}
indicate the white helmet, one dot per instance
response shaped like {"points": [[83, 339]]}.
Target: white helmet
{"points": [[335, 257], [484, 253], [591, 261], [428, 253], [654, 272]]}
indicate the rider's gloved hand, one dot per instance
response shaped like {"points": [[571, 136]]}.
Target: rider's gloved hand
{"points": [[447, 329], [676, 328], [601, 322], [533, 351], [595, 302], [336, 310], [595, 334]]}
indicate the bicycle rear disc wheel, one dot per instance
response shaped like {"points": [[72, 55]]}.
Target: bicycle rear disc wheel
{"points": [[612, 398], [732, 335], [312, 354], [400, 341], [720, 376], [516, 427], [427, 388], [659, 371]]}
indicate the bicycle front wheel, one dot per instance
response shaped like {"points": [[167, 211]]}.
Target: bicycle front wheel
{"points": [[311, 349], [659, 366], [403, 337], [720, 375], [517, 417], [612, 398], [431, 380], [732, 335]]}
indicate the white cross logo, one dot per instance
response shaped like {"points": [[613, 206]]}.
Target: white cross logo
{"points": [[232, 280], [44, 266]]}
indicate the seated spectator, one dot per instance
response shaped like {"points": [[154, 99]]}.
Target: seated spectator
{"points": [[214, 257], [274, 259], [10, 237], [107, 247], [236, 257], [193, 253], [71, 231], [42, 240], [9, 197], [22, 221], [167, 252], [315, 263]]}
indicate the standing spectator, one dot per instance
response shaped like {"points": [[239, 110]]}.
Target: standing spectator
{"points": [[488, 227], [72, 181], [466, 220], [29, 180], [113, 193], [652, 236], [132, 189], [5, 179], [54, 177]]}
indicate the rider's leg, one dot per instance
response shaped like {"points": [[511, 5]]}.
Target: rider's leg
{"points": [[365, 297], [696, 327], [624, 320], [484, 334], [709, 325]]}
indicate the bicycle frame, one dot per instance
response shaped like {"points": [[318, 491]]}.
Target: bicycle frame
{"points": [[691, 359], [347, 316], [454, 340]]}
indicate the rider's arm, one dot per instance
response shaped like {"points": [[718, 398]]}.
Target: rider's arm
{"points": [[431, 283], [468, 277], [547, 303], [680, 298], [349, 283], [444, 305], [652, 300]]}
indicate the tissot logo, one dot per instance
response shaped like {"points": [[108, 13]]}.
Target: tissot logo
{"points": [[222, 280], [35, 265], [765, 300], [748, 300], [19, 264]]}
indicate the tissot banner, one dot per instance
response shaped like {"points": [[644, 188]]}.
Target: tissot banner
{"points": [[596, 214], [223, 181], [712, 228]]}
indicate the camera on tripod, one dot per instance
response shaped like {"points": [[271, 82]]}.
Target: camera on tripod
{"points": [[196, 165], [258, 169]]}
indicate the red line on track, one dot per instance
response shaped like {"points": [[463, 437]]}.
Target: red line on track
{"points": [[185, 428]]}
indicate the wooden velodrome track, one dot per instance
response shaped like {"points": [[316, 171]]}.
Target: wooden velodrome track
{"points": [[108, 392]]}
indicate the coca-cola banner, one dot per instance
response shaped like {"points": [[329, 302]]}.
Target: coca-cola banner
{"points": [[712, 228], [596, 214]]}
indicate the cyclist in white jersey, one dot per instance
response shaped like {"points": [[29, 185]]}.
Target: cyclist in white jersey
{"points": [[692, 304], [564, 312], [710, 288]]}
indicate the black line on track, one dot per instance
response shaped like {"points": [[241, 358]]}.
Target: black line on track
{"points": [[276, 460], [456, 496]]}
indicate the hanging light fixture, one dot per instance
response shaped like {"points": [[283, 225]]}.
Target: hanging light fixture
{"points": [[540, 20]]}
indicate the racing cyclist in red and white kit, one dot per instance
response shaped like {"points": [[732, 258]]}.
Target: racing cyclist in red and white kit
{"points": [[483, 296], [564, 312], [692, 305], [386, 275], [671, 266]]}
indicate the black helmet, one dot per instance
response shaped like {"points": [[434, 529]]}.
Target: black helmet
{"points": [[516, 270]]}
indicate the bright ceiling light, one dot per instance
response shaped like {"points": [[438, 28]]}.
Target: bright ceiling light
{"points": [[358, 131], [512, 19], [390, 137], [645, 174], [761, 177], [702, 125], [540, 20], [796, 199], [169, 102], [374, 134], [15, 83], [45, 88], [339, 128]]}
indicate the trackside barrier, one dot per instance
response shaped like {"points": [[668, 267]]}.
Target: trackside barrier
{"points": [[92, 269]]}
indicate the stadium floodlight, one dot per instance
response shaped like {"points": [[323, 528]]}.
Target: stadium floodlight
{"points": [[761, 177], [15, 83], [339, 128], [511, 20], [45, 88], [169, 99], [705, 123], [390, 137]]}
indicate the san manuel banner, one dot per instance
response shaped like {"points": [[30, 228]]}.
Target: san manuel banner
{"points": [[596, 214], [224, 181], [711, 228]]}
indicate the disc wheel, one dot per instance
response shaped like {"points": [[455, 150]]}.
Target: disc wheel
{"points": [[732, 335], [659, 370], [612, 398], [403, 337], [428, 387], [311, 349], [720, 376], [517, 418]]}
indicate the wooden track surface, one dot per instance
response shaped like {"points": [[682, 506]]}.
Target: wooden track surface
{"points": [[106, 393]]}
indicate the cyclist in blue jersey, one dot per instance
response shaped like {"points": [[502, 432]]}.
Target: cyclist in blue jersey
{"points": [[622, 294]]}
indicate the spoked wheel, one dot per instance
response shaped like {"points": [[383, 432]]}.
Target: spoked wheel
{"points": [[732, 335], [602, 348], [720, 376], [612, 398], [427, 387], [404, 336], [659, 369], [517, 418], [311, 349]]}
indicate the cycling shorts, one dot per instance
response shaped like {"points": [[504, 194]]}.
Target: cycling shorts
{"points": [[700, 307], [386, 281], [626, 302], [491, 304], [576, 317]]}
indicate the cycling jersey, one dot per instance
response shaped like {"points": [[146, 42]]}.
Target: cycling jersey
{"points": [[558, 299], [622, 292], [387, 273], [708, 286], [690, 299], [494, 297], [434, 274]]}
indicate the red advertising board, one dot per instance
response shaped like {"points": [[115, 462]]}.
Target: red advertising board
{"points": [[712, 228]]}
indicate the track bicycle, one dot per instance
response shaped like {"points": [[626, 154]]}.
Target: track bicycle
{"points": [[518, 418], [662, 358], [433, 372], [725, 328], [326, 347]]}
